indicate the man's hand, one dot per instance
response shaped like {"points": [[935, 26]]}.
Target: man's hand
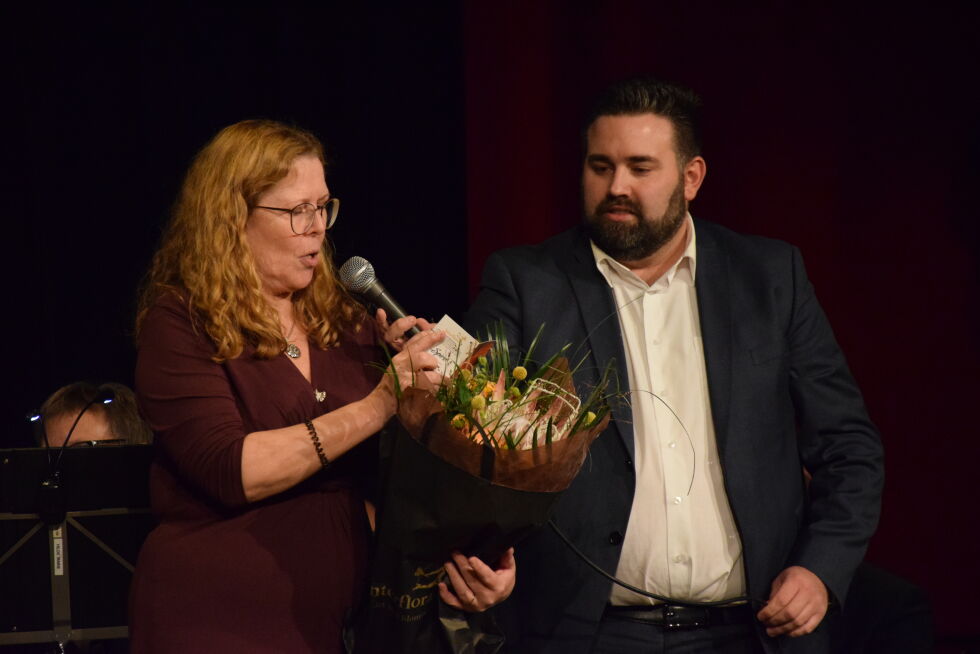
{"points": [[797, 603], [477, 586]]}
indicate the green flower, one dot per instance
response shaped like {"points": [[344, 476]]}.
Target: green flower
{"points": [[458, 421], [515, 393], [478, 403]]}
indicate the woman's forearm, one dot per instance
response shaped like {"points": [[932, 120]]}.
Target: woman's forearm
{"points": [[275, 460], [278, 459]]}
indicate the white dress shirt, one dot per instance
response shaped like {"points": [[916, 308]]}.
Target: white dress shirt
{"points": [[681, 540]]}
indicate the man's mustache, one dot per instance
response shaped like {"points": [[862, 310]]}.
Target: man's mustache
{"points": [[617, 204]]}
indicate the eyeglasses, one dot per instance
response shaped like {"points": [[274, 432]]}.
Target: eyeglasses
{"points": [[302, 216], [104, 441]]}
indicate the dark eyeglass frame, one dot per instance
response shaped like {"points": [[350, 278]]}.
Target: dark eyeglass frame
{"points": [[104, 441], [328, 210]]}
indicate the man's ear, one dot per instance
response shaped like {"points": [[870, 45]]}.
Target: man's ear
{"points": [[694, 172]]}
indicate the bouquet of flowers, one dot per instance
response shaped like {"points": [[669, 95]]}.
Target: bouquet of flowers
{"points": [[507, 407], [474, 465]]}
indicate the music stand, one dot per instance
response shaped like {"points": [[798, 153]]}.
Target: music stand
{"points": [[67, 579]]}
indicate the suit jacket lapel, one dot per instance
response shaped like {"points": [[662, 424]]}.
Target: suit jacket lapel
{"points": [[601, 328], [715, 309]]}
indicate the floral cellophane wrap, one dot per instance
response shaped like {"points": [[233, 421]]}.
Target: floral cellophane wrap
{"points": [[549, 467]]}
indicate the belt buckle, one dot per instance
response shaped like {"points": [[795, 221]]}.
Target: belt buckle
{"points": [[674, 618]]}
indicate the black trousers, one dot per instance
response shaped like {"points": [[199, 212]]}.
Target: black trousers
{"points": [[621, 636]]}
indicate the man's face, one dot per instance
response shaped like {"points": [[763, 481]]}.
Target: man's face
{"points": [[633, 188], [93, 426]]}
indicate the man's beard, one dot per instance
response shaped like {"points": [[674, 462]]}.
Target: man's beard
{"points": [[625, 241]]}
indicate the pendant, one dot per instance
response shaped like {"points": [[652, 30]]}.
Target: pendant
{"points": [[320, 395], [292, 351]]}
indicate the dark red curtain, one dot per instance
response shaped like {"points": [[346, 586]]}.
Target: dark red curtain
{"points": [[850, 133]]}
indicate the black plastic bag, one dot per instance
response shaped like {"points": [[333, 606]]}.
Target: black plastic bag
{"points": [[442, 492]]}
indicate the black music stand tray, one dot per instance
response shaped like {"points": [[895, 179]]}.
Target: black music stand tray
{"points": [[106, 517]]}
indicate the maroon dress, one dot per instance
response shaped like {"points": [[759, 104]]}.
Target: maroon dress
{"points": [[219, 574]]}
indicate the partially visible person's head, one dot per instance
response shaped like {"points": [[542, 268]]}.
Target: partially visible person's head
{"points": [[647, 95], [226, 255], [118, 420], [642, 166]]}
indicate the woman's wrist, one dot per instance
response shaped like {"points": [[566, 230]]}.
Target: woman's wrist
{"points": [[381, 403]]}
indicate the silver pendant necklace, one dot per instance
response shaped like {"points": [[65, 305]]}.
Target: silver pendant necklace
{"points": [[292, 350]]}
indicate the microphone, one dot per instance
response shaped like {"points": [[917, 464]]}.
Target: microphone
{"points": [[357, 276]]}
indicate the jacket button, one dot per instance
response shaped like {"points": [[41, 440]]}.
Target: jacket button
{"points": [[615, 538], [629, 463]]}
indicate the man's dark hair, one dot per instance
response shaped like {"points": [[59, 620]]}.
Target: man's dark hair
{"points": [[121, 414], [648, 95]]}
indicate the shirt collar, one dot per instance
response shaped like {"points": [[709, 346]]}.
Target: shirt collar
{"points": [[686, 266]]}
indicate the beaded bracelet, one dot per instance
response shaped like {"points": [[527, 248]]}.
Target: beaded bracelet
{"points": [[324, 461]]}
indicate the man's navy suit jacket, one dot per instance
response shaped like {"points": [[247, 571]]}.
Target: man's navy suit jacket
{"points": [[782, 398]]}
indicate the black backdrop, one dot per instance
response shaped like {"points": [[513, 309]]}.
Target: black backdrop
{"points": [[109, 107]]}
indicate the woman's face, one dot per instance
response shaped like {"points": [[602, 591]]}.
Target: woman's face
{"points": [[286, 261]]}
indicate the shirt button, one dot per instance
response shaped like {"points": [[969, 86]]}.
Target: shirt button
{"points": [[672, 444], [680, 558], [677, 500], [615, 538]]}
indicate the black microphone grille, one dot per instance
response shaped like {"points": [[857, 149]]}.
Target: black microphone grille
{"points": [[356, 274]]}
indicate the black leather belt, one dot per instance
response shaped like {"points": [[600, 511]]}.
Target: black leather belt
{"points": [[671, 616]]}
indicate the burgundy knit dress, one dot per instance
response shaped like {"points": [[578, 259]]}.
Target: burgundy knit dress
{"points": [[219, 574]]}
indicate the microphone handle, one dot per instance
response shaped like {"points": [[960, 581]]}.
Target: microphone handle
{"points": [[378, 294]]}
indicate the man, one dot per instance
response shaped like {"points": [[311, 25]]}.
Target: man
{"points": [[117, 422], [733, 383]]}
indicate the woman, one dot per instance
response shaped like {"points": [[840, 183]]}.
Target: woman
{"points": [[260, 377]]}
